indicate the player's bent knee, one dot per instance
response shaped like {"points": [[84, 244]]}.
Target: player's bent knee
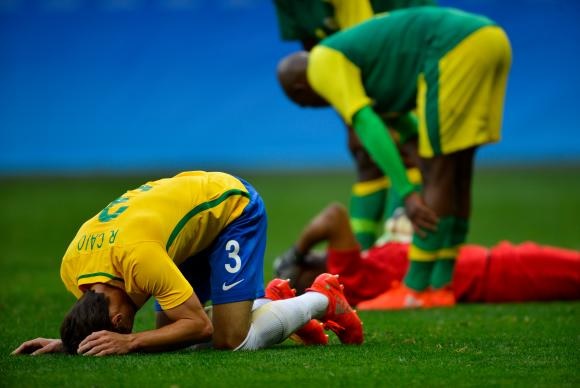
{"points": [[231, 322], [229, 340], [335, 211]]}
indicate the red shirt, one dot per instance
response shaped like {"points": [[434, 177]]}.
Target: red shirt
{"points": [[503, 273]]}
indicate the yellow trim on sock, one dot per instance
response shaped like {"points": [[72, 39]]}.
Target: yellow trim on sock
{"points": [[370, 187], [417, 254], [448, 253], [360, 225], [414, 175]]}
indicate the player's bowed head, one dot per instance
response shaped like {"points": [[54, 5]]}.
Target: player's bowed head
{"points": [[292, 75]]}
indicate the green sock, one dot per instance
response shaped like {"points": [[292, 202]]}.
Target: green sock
{"points": [[367, 203], [443, 269], [418, 275], [442, 273], [423, 253]]}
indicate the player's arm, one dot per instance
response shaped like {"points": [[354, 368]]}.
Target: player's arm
{"points": [[188, 325], [39, 346], [376, 139], [406, 127], [154, 273], [338, 80]]}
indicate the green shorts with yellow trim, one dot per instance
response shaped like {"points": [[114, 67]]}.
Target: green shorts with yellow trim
{"points": [[461, 95]]}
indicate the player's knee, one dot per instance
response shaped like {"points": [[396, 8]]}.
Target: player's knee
{"points": [[230, 340], [335, 212]]}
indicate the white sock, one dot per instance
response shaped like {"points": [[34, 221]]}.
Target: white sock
{"points": [[317, 302], [273, 322], [259, 303]]}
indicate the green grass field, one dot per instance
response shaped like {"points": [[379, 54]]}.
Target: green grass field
{"points": [[533, 344]]}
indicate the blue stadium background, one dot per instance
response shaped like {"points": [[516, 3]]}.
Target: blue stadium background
{"points": [[136, 85]]}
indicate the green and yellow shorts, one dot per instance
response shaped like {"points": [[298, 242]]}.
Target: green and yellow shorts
{"points": [[461, 95]]}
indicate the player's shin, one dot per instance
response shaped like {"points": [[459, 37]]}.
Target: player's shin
{"points": [[441, 294], [447, 255], [423, 254], [366, 208], [273, 322]]}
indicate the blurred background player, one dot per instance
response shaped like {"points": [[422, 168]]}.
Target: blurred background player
{"points": [[452, 67], [309, 21], [503, 273]]}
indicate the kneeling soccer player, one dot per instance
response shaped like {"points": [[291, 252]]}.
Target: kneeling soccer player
{"points": [[185, 240]]}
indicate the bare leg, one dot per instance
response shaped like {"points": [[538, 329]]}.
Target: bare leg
{"points": [[463, 178], [439, 184], [301, 264], [331, 225], [231, 323], [448, 192]]}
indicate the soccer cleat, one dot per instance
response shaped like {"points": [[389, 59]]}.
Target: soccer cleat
{"points": [[441, 297], [397, 298], [312, 333], [339, 317], [279, 289]]}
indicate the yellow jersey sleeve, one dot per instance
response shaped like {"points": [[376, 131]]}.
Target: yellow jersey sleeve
{"points": [[349, 13], [336, 79], [152, 272]]}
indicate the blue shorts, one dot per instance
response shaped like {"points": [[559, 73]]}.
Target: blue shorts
{"points": [[231, 269]]}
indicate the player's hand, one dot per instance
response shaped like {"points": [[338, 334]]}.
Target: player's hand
{"points": [[421, 216], [40, 346], [104, 343]]}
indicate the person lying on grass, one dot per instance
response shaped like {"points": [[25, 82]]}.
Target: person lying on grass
{"points": [[184, 241], [501, 274]]}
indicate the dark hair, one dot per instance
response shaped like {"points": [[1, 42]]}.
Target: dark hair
{"points": [[89, 314]]}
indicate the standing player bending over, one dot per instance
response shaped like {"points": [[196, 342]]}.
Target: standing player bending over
{"points": [[309, 22], [450, 66], [185, 240]]}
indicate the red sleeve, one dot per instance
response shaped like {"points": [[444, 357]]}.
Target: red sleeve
{"points": [[531, 272]]}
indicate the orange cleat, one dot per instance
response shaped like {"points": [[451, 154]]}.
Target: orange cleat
{"points": [[312, 333], [339, 317], [399, 297], [441, 297], [279, 289]]}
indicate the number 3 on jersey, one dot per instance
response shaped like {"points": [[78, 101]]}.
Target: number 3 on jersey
{"points": [[233, 248]]}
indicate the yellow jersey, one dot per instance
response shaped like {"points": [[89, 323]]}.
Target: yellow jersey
{"points": [[137, 241]]}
